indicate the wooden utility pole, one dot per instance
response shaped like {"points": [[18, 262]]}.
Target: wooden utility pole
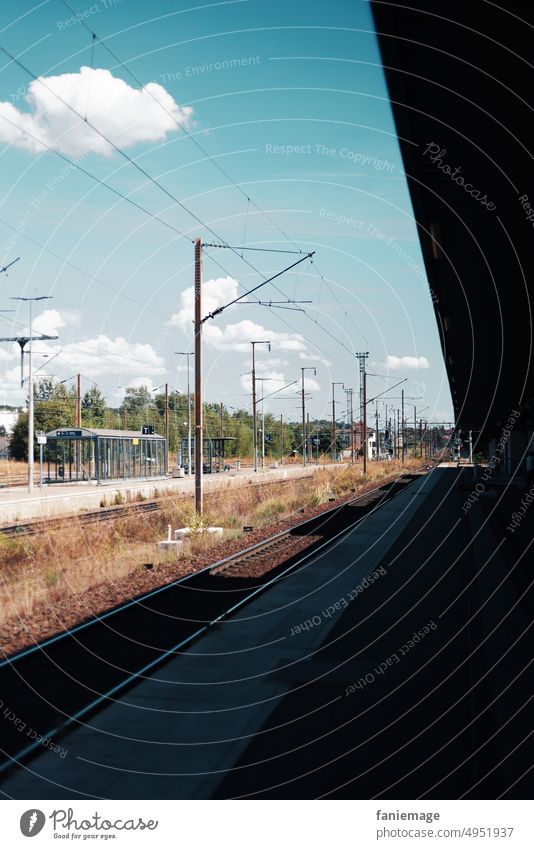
{"points": [[281, 438], [350, 421], [333, 426], [334, 453], [254, 420], [303, 403], [254, 412], [199, 459], [166, 428], [421, 438], [415, 432], [402, 426], [351, 428], [377, 435], [222, 420]]}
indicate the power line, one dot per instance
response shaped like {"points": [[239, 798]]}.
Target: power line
{"points": [[80, 270], [244, 248], [345, 312], [214, 162], [5, 267], [184, 129], [93, 176], [156, 183], [219, 310]]}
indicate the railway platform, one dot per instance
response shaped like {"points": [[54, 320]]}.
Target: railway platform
{"points": [[16, 504]]}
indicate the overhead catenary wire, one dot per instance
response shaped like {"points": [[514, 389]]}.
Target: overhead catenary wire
{"points": [[149, 177], [74, 164], [5, 267], [345, 311], [94, 177], [184, 129], [219, 310], [77, 268], [217, 164]]}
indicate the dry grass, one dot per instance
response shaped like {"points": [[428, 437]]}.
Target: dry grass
{"points": [[12, 468], [69, 561]]}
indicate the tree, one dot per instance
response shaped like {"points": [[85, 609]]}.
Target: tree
{"points": [[18, 446], [134, 407], [136, 399], [93, 407], [54, 407], [46, 388]]}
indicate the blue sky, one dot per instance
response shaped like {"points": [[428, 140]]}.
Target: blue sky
{"points": [[290, 99]]}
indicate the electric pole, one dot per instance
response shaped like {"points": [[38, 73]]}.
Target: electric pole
{"points": [[188, 354], [402, 425], [262, 427], [78, 402], [364, 379], [199, 447], [333, 451], [421, 438], [362, 356], [377, 434], [78, 423], [350, 419], [303, 404], [281, 438], [254, 418], [30, 387], [166, 428]]}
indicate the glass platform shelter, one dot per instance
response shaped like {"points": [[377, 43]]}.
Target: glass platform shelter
{"points": [[96, 454]]}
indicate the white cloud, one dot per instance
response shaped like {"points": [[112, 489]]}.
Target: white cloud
{"points": [[123, 114], [141, 380], [315, 358], [100, 357], [215, 293], [232, 337], [104, 356], [50, 322], [398, 363], [106, 360]]}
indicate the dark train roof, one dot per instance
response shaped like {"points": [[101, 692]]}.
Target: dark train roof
{"points": [[460, 78]]}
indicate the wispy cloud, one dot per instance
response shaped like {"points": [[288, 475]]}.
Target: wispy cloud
{"points": [[394, 363]]}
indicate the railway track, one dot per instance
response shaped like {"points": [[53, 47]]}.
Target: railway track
{"points": [[103, 514], [54, 684], [89, 518]]}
